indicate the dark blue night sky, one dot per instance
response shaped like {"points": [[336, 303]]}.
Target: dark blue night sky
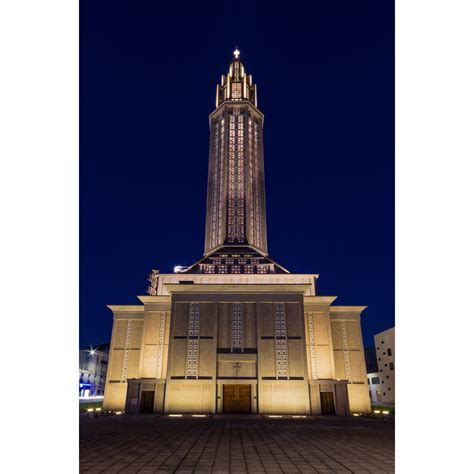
{"points": [[325, 76]]}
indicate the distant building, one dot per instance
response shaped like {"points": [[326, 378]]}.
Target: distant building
{"points": [[382, 382], [93, 370], [371, 360]]}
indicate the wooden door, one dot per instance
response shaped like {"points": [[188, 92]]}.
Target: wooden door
{"points": [[327, 403], [237, 399], [146, 401]]}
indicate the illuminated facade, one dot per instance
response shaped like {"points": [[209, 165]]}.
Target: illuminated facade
{"points": [[236, 332]]}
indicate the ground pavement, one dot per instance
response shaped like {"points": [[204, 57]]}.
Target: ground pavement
{"points": [[152, 443]]}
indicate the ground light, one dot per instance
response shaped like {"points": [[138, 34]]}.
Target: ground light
{"points": [[386, 412], [275, 416], [90, 409], [199, 416], [298, 416], [377, 411], [176, 416]]}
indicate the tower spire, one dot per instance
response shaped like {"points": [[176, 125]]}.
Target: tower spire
{"points": [[236, 85]]}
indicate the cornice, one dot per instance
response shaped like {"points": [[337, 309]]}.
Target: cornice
{"points": [[237, 288], [126, 308]]}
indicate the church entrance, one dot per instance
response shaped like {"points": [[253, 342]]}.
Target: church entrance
{"points": [[327, 403], [237, 399], [146, 401]]}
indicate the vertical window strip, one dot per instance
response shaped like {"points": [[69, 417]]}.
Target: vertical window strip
{"points": [[237, 327], [221, 179], [281, 341], [126, 353], [215, 190], [345, 350], [312, 345], [251, 186], [192, 359], [258, 198], [161, 343], [231, 230]]}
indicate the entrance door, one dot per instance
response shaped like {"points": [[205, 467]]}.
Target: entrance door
{"points": [[327, 403], [146, 401], [237, 399]]}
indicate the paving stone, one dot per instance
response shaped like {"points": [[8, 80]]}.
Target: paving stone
{"points": [[149, 444]]}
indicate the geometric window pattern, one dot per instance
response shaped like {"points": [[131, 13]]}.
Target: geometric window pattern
{"points": [[192, 358], [237, 327], [126, 353], [217, 188], [161, 342], [312, 345], [345, 350], [281, 341]]}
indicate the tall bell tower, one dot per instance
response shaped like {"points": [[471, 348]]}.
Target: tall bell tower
{"points": [[236, 185], [236, 224]]}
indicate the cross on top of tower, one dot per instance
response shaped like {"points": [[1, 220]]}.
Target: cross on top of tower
{"points": [[236, 53]]}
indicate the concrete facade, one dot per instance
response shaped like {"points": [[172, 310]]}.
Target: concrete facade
{"points": [[180, 345], [384, 390]]}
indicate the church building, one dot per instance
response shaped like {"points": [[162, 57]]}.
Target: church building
{"points": [[236, 332]]}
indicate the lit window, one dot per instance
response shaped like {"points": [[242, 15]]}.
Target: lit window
{"points": [[235, 269], [236, 90]]}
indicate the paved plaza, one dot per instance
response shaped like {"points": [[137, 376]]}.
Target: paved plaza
{"points": [[152, 443]]}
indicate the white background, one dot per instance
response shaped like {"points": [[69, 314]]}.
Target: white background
{"points": [[39, 235]]}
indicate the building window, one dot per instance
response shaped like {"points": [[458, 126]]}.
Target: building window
{"points": [[389, 352], [386, 365], [382, 342], [380, 359], [384, 393], [235, 269], [383, 353], [391, 365], [387, 376], [375, 380], [236, 90], [389, 388]]}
